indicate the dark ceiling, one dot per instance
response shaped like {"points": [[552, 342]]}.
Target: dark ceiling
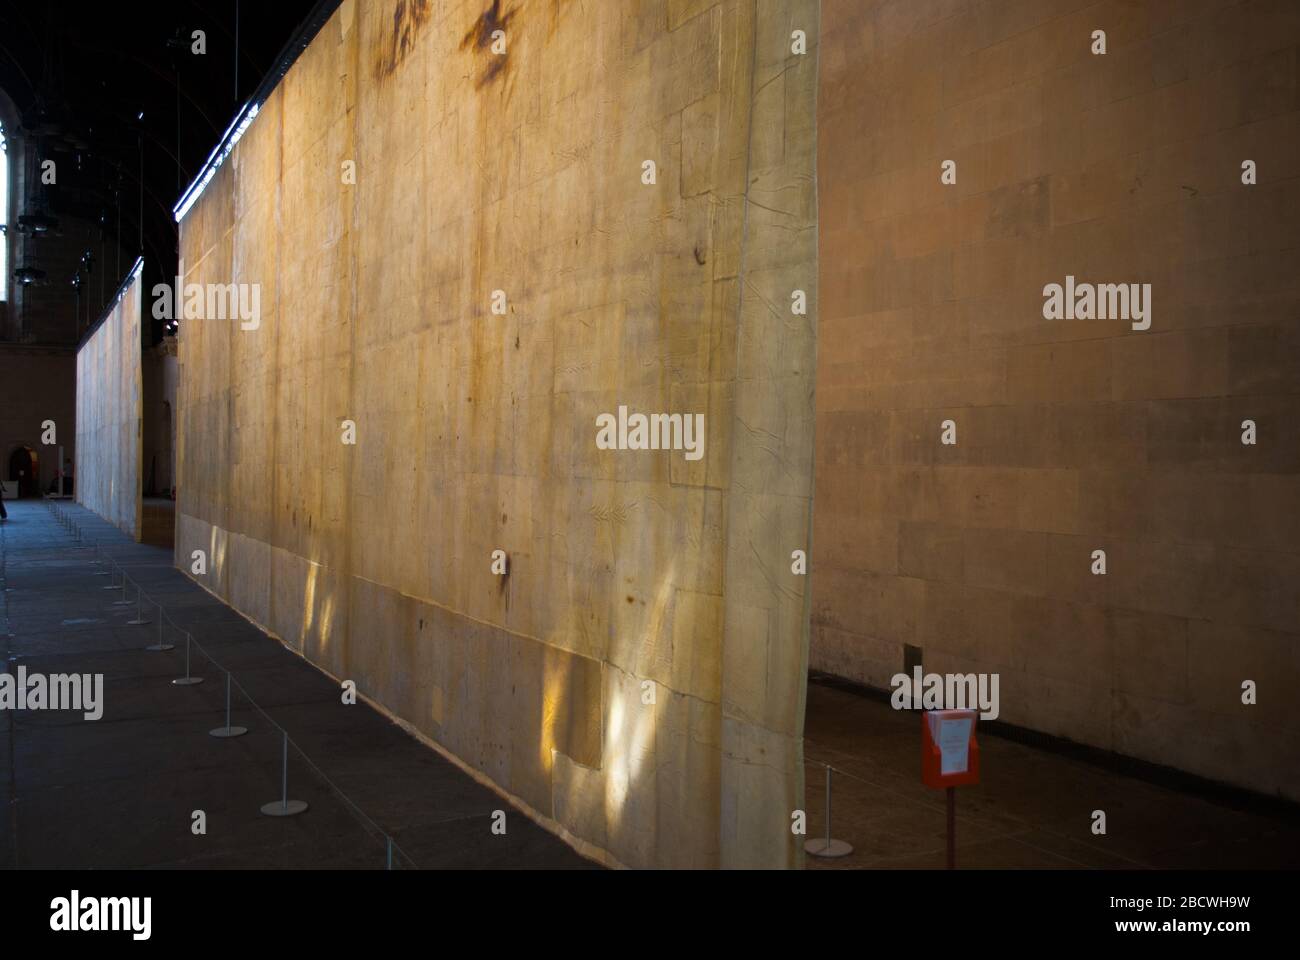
{"points": [[82, 73]]}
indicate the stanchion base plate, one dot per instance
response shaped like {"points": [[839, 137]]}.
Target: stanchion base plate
{"points": [[830, 850], [137, 623], [102, 573], [123, 603], [160, 647], [187, 681], [223, 733], [278, 808], [110, 587]]}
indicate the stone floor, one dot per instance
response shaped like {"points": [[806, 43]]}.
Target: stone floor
{"points": [[120, 791], [1033, 807]]}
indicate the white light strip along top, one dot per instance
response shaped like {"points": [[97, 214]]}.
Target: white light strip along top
{"points": [[126, 284], [218, 156]]}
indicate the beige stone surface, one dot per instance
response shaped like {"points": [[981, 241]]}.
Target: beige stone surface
{"points": [[629, 572], [109, 410], [1073, 435]]}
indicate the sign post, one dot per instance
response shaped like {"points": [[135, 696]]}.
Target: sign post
{"points": [[950, 758], [952, 827]]}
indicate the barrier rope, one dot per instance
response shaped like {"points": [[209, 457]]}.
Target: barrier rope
{"points": [[367, 823]]}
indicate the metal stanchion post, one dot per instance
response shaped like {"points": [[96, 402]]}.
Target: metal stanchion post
{"points": [[228, 731], [161, 645], [187, 680], [112, 584], [124, 602], [139, 620], [826, 847], [284, 807]]}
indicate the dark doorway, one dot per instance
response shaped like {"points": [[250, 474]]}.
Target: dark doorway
{"points": [[24, 467]]}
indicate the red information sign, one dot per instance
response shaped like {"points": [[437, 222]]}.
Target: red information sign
{"points": [[950, 756]]}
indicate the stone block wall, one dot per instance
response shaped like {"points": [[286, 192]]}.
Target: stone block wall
{"points": [[1073, 435]]}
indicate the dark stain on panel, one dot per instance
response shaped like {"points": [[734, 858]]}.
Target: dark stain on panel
{"points": [[480, 38], [504, 585], [409, 16]]}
